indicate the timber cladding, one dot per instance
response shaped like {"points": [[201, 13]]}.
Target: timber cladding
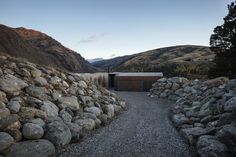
{"points": [[134, 83]]}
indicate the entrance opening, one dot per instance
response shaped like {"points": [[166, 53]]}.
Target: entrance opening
{"points": [[112, 81]]}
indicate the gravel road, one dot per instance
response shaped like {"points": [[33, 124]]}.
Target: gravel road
{"points": [[144, 130]]}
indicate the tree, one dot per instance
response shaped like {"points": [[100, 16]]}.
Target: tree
{"points": [[223, 43]]}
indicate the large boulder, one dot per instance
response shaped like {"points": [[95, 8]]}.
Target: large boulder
{"points": [[58, 133], [34, 148], [70, 102], [209, 146], [5, 141], [32, 131], [11, 84]]}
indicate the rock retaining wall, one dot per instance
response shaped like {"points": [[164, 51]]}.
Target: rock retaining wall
{"points": [[204, 112], [42, 108]]}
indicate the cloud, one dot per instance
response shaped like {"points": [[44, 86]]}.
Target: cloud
{"points": [[93, 38]]}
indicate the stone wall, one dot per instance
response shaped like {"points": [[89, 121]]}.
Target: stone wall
{"points": [[42, 108], [203, 112]]}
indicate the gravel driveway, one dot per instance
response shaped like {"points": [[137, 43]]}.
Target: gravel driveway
{"points": [[143, 130]]}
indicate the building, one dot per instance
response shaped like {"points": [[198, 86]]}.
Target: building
{"points": [[133, 81]]}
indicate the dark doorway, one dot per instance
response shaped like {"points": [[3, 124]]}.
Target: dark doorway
{"points": [[111, 81]]}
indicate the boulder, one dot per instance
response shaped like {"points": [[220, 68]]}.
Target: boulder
{"points": [[36, 73], [28, 113], [180, 119], [76, 131], [65, 116], [14, 106], [40, 81], [32, 131], [227, 135], [15, 133], [38, 121], [95, 110], [109, 110], [49, 108], [4, 112], [87, 124], [38, 92], [70, 102], [8, 120], [34, 148], [193, 133], [6, 141], [230, 105], [209, 146], [11, 84], [58, 133], [3, 97]]}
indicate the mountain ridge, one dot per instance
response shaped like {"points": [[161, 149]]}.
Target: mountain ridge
{"points": [[40, 48]]}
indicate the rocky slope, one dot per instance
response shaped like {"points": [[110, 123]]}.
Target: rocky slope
{"points": [[42, 109], [204, 112], [40, 48], [172, 61]]}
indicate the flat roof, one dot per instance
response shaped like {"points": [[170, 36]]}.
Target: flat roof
{"points": [[159, 74]]}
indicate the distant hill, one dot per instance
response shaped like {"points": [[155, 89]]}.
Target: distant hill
{"points": [[40, 48], [94, 60], [172, 61], [111, 63]]}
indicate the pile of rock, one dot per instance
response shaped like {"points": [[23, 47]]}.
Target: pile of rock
{"points": [[204, 112], [41, 108]]}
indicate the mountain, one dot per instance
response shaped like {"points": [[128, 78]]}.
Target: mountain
{"points": [[111, 63], [94, 60], [40, 48], [177, 60]]}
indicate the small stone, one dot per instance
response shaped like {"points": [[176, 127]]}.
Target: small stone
{"points": [[32, 131], [66, 117]]}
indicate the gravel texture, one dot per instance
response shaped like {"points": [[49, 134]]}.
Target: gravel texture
{"points": [[144, 130]]}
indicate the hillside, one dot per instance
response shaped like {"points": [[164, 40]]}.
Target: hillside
{"points": [[177, 60], [40, 48]]}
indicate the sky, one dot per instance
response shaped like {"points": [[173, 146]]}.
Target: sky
{"points": [[109, 28]]}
